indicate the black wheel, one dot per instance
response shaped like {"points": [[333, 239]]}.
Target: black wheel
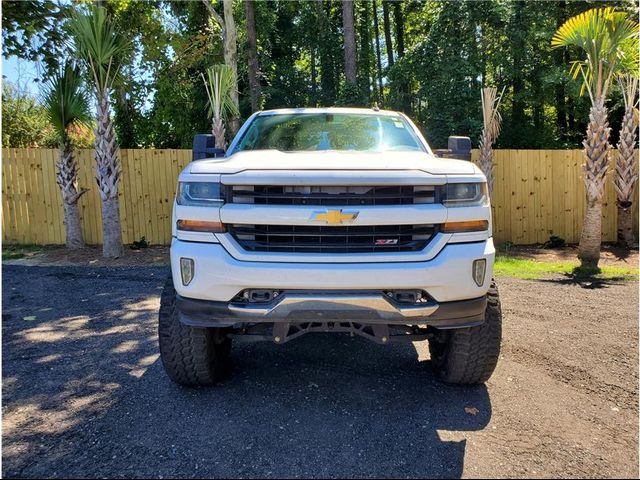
{"points": [[191, 356], [470, 355]]}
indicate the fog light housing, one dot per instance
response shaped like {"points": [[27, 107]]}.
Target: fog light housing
{"points": [[478, 271], [186, 270]]}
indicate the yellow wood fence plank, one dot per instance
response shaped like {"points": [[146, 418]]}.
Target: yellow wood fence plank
{"points": [[148, 182], [162, 161], [8, 208], [156, 198], [122, 191]]}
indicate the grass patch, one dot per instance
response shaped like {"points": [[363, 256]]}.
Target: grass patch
{"points": [[12, 252], [507, 266]]}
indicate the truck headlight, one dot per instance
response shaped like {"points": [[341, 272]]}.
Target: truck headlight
{"points": [[466, 194], [199, 194]]}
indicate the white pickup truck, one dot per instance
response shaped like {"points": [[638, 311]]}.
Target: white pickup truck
{"points": [[330, 220]]}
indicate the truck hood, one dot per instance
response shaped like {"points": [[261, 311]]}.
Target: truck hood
{"points": [[332, 160]]}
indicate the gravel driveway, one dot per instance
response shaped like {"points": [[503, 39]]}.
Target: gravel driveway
{"points": [[84, 393]]}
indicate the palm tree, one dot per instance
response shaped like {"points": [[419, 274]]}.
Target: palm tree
{"points": [[491, 129], [627, 160], [229, 40], [220, 83], [99, 45], [67, 106], [603, 34]]}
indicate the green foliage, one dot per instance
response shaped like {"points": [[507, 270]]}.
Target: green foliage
{"points": [[139, 244], [24, 120], [99, 44], [31, 29], [179, 108], [65, 101], [451, 50], [144, 25], [555, 242], [447, 66], [527, 269], [352, 96], [14, 252], [219, 82], [609, 39]]}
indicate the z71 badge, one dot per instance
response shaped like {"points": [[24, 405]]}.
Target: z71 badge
{"points": [[387, 241]]}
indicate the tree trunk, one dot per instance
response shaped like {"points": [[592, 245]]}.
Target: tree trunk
{"points": [[486, 159], [518, 51], [571, 116], [561, 107], [252, 54], [387, 33], [314, 77], [596, 149], [231, 59], [591, 237], [403, 87], [625, 227], [111, 231], [378, 56], [327, 65], [218, 131], [108, 172], [538, 103], [349, 42], [399, 18], [626, 174], [364, 56], [67, 179], [72, 226]]}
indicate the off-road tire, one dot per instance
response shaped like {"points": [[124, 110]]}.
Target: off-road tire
{"points": [[469, 356], [191, 356]]}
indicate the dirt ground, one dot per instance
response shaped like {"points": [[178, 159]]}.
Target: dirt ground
{"points": [[91, 256], [159, 255], [85, 395]]}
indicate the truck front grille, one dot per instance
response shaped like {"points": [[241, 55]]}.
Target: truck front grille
{"points": [[332, 239], [331, 195]]}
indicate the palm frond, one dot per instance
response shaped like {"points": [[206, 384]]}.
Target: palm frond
{"points": [[629, 55], [607, 37], [65, 100], [629, 87], [219, 82], [490, 112], [98, 44]]}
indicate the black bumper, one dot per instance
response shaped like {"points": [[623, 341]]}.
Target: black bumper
{"points": [[204, 313]]}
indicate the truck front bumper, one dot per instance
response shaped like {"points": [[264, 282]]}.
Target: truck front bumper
{"points": [[359, 307], [332, 291]]}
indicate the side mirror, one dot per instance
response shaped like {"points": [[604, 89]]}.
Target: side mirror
{"points": [[204, 146], [458, 147]]}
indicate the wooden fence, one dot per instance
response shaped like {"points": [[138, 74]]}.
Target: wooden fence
{"points": [[537, 193]]}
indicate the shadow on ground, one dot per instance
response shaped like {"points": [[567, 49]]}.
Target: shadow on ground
{"points": [[85, 395], [590, 282]]}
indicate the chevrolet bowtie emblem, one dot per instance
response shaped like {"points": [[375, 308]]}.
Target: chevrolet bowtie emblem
{"points": [[334, 217]]}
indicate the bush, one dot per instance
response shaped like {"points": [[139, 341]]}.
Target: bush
{"points": [[555, 242], [24, 120]]}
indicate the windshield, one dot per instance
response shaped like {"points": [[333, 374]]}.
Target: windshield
{"points": [[329, 131]]}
